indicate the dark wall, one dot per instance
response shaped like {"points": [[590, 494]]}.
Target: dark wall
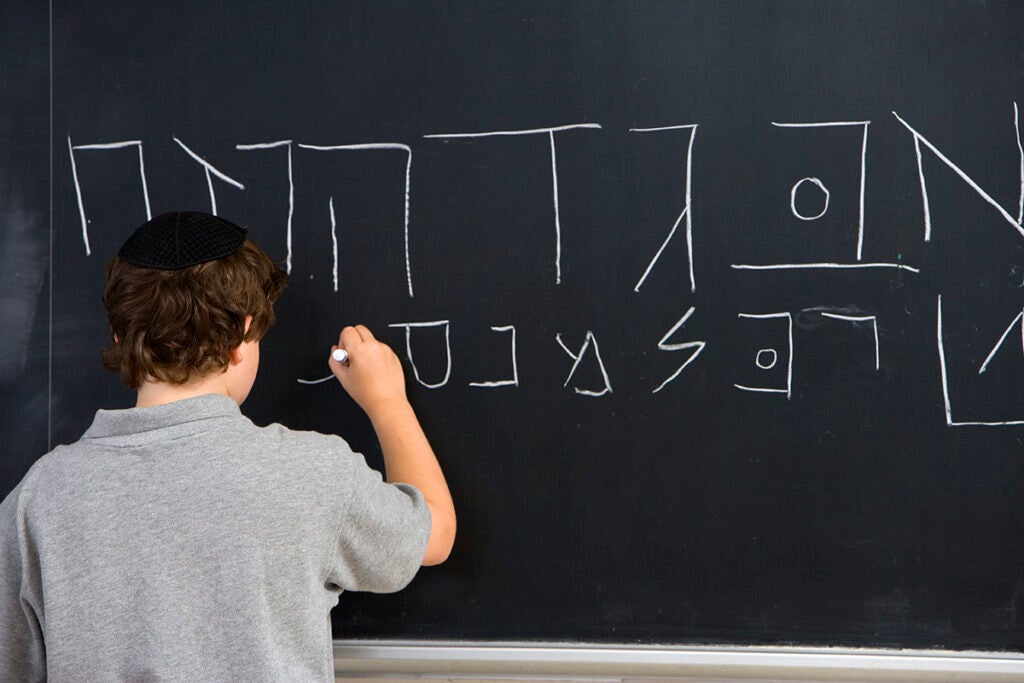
{"points": [[24, 239], [850, 505]]}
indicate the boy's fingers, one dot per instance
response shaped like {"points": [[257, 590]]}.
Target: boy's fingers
{"points": [[365, 333], [349, 337]]}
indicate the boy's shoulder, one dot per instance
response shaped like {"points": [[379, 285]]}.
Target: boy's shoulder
{"points": [[40, 470], [328, 457], [52, 462], [310, 442]]}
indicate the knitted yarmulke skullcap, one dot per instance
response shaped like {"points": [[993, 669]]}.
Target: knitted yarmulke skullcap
{"points": [[172, 241]]}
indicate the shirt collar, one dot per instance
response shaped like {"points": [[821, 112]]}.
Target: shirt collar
{"points": [[108, 423]]}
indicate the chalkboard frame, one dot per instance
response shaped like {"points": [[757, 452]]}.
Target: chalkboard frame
{"points": [[727, 664]]}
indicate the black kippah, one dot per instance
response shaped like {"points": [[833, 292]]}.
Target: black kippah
{"points": [[178, 240]]}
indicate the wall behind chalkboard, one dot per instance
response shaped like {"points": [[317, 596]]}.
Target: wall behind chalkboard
{"points": [[713, 311]]}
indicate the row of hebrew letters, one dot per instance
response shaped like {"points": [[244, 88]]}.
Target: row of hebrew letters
{"points": [[777, 354], [802, 185]]}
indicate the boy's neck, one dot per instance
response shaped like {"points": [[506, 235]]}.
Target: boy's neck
{"points": [[158, 393], [234, 381]]}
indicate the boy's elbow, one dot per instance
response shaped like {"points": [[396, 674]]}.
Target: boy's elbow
{"points": [[442, 537]]}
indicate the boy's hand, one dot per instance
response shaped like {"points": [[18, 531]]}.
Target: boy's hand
{"points": [[373, 375]]}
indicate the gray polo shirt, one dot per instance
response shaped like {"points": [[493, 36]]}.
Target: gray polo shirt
{"points": [[183, 543]]}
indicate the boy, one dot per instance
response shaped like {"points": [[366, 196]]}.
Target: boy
{"points": [[178, 541]]}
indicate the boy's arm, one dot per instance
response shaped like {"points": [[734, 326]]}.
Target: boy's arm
{"points": [[373, 377], [22, 651]]}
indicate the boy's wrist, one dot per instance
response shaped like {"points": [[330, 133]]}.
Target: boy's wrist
{"points": [[381, 410]]}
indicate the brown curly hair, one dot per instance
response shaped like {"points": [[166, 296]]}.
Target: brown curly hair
{"points": [[175, 326]]}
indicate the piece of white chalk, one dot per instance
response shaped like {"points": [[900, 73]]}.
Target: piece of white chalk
{"points": [[340, 355]]}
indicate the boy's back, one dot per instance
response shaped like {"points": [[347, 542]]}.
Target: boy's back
{"points": [[104, 524]]}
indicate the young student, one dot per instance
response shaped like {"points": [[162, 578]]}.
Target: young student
{"points": [[178, 541]]}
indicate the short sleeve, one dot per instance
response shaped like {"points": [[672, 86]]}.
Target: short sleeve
{"points": [[383, 535]]}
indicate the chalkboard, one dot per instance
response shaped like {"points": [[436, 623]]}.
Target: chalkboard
{"points": [[712, 310]]}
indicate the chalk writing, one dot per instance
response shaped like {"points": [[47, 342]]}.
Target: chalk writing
{"points": [[408, 182], [792, 199], [590, 341], [210, 171], [920, 139], [664, 345], [686, 207], [857, 263], [334, 244], [863, 168], [861, 319], [788, 390], [408, 349], [287, 144], [514, 381], [78, 188], [824, 266], [1009, 328], [771, 355], [944, 375], [550, 132], [768, 360]]}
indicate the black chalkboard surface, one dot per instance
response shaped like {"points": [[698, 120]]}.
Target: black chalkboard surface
{"points": [[712, 310]]}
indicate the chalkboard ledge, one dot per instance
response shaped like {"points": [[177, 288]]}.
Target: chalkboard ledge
{"points": [[355, 659]]}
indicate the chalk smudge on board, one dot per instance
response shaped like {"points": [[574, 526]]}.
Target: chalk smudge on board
{"points": [[23, 262]]}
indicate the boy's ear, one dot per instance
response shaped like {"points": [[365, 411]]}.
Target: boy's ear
{"points": [[236, 353]]}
